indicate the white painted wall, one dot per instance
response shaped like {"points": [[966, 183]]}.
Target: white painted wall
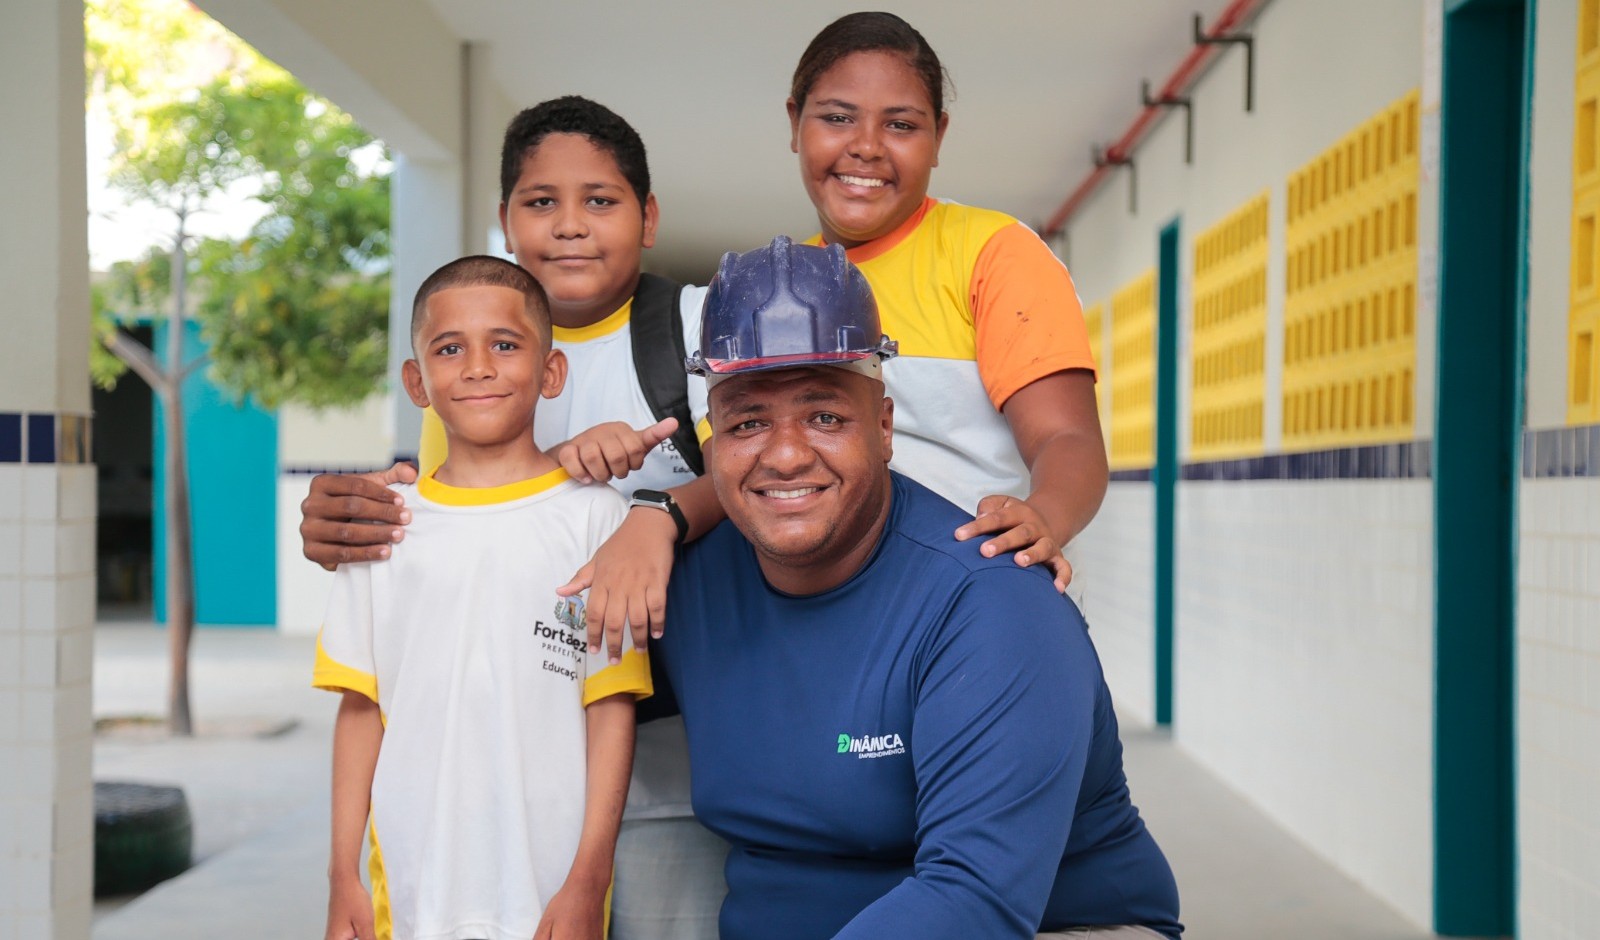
{"points": [[1550, 211], [1303, 657], [302, 586]]}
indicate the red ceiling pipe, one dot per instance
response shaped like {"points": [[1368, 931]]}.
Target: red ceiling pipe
{"points": [[1188, 72]]}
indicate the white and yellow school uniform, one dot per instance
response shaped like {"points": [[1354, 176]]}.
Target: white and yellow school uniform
{"points": [[482, 675], [981, 308], [603, 385]]}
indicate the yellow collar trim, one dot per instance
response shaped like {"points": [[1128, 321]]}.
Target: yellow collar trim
{"points": [[582, 334], [432, 490]]}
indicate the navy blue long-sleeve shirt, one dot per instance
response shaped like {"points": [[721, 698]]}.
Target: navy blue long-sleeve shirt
{"points": [[927, 750]]}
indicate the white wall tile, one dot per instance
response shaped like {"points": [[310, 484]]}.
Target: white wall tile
{"points": [[39, 660], [10, 727], [75, 652], [1117, 551], [10, 604], [39, 489], [39, 604], [75, 548], [10, 549], [10, 492], [75, 602], [39, 549], [1558, 708], [76, 498]]}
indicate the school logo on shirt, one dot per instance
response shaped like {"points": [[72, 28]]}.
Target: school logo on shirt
{"points": [[871, 745], [567, 641], [569, 610]]}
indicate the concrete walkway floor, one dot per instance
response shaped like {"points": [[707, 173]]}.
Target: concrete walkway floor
{"points": [[260, 808]]}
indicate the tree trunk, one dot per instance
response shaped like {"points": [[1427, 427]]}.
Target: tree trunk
{"points": [[180, 549]]}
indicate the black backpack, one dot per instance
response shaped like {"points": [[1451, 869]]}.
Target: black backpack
{"points": [[658, 355]]}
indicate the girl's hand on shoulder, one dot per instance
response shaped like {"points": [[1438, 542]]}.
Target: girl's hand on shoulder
{"points": [[612, 450], [627, 582], [349, 911], [573, 914], [1021, 529]]}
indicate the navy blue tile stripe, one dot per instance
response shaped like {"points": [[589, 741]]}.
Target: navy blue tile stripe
{"points": [[1547, 453], [308, 470], [1402, 460], [44, 438], [1561, 452]]}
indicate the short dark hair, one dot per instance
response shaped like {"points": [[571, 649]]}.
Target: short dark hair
{"points": [[870, 32], [483, 271], [573, 114]]}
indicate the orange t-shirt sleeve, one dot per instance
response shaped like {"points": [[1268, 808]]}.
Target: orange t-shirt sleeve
{"points": [[1027, 314]]}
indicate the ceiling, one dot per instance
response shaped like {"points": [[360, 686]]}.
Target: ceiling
{"points": [[1037, 83]]}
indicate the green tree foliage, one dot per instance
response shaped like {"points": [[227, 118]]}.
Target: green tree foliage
{"points": [[298, 310]]}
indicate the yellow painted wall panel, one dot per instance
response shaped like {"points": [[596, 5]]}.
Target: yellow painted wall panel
{"points": [[1350, 304], [1583, 321], [1228, 336], [1133, 328]]}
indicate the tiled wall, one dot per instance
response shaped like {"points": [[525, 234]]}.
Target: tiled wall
{"points": [[1117, 557], [1303, 664], [46, 654], [1558, 685]]}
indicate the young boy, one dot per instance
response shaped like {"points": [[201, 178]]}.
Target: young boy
{"points": [[577, 212], [489, 751]]}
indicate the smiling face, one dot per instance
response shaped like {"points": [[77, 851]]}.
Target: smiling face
{"points": [[800, 461], [482, 362], [868, 140], [575, 223]]}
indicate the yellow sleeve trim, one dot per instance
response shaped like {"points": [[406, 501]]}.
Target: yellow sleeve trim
{"points": [[333, 676], [702, 430], [631, 676]]}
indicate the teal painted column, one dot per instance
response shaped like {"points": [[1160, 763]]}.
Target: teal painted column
{"points": [[233, 482], [1165, 473], [1483, 195]]}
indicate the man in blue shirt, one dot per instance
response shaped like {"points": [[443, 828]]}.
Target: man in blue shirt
{"points": [[899, 736]]}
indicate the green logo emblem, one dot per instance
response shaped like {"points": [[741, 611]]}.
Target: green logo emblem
{"points": [[844, 743]]}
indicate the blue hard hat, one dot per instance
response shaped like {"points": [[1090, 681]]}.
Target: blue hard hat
{"points": [[788, 305]]}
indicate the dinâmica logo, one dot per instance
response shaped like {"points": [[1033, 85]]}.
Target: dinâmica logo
{"points": [[871, 745]]}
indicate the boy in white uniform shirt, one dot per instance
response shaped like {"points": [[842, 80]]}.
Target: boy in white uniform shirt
{"points": [[489, 750]]}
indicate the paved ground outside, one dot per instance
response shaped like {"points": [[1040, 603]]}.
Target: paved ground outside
{"points": [[259, 790]]}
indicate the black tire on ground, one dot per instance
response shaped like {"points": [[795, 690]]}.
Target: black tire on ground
{"points": [[143, 835]]}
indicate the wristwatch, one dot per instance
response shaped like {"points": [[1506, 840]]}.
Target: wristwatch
{"points": [[655, 499]]}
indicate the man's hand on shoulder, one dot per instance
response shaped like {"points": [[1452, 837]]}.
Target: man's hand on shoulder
{"points": [[350, 517]]}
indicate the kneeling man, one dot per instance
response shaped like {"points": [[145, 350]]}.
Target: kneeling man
{"points": [[899, 736]]}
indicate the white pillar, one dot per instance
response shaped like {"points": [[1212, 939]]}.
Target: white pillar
{"points": [[425, 217], [47, 486]]}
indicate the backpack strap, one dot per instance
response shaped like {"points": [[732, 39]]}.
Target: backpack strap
{"points": [[656, 327]]}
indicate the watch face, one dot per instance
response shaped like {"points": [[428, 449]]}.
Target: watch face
{"points": [[651, 496]]}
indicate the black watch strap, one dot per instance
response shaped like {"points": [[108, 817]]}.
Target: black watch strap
{"points": [[655, 499]]}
